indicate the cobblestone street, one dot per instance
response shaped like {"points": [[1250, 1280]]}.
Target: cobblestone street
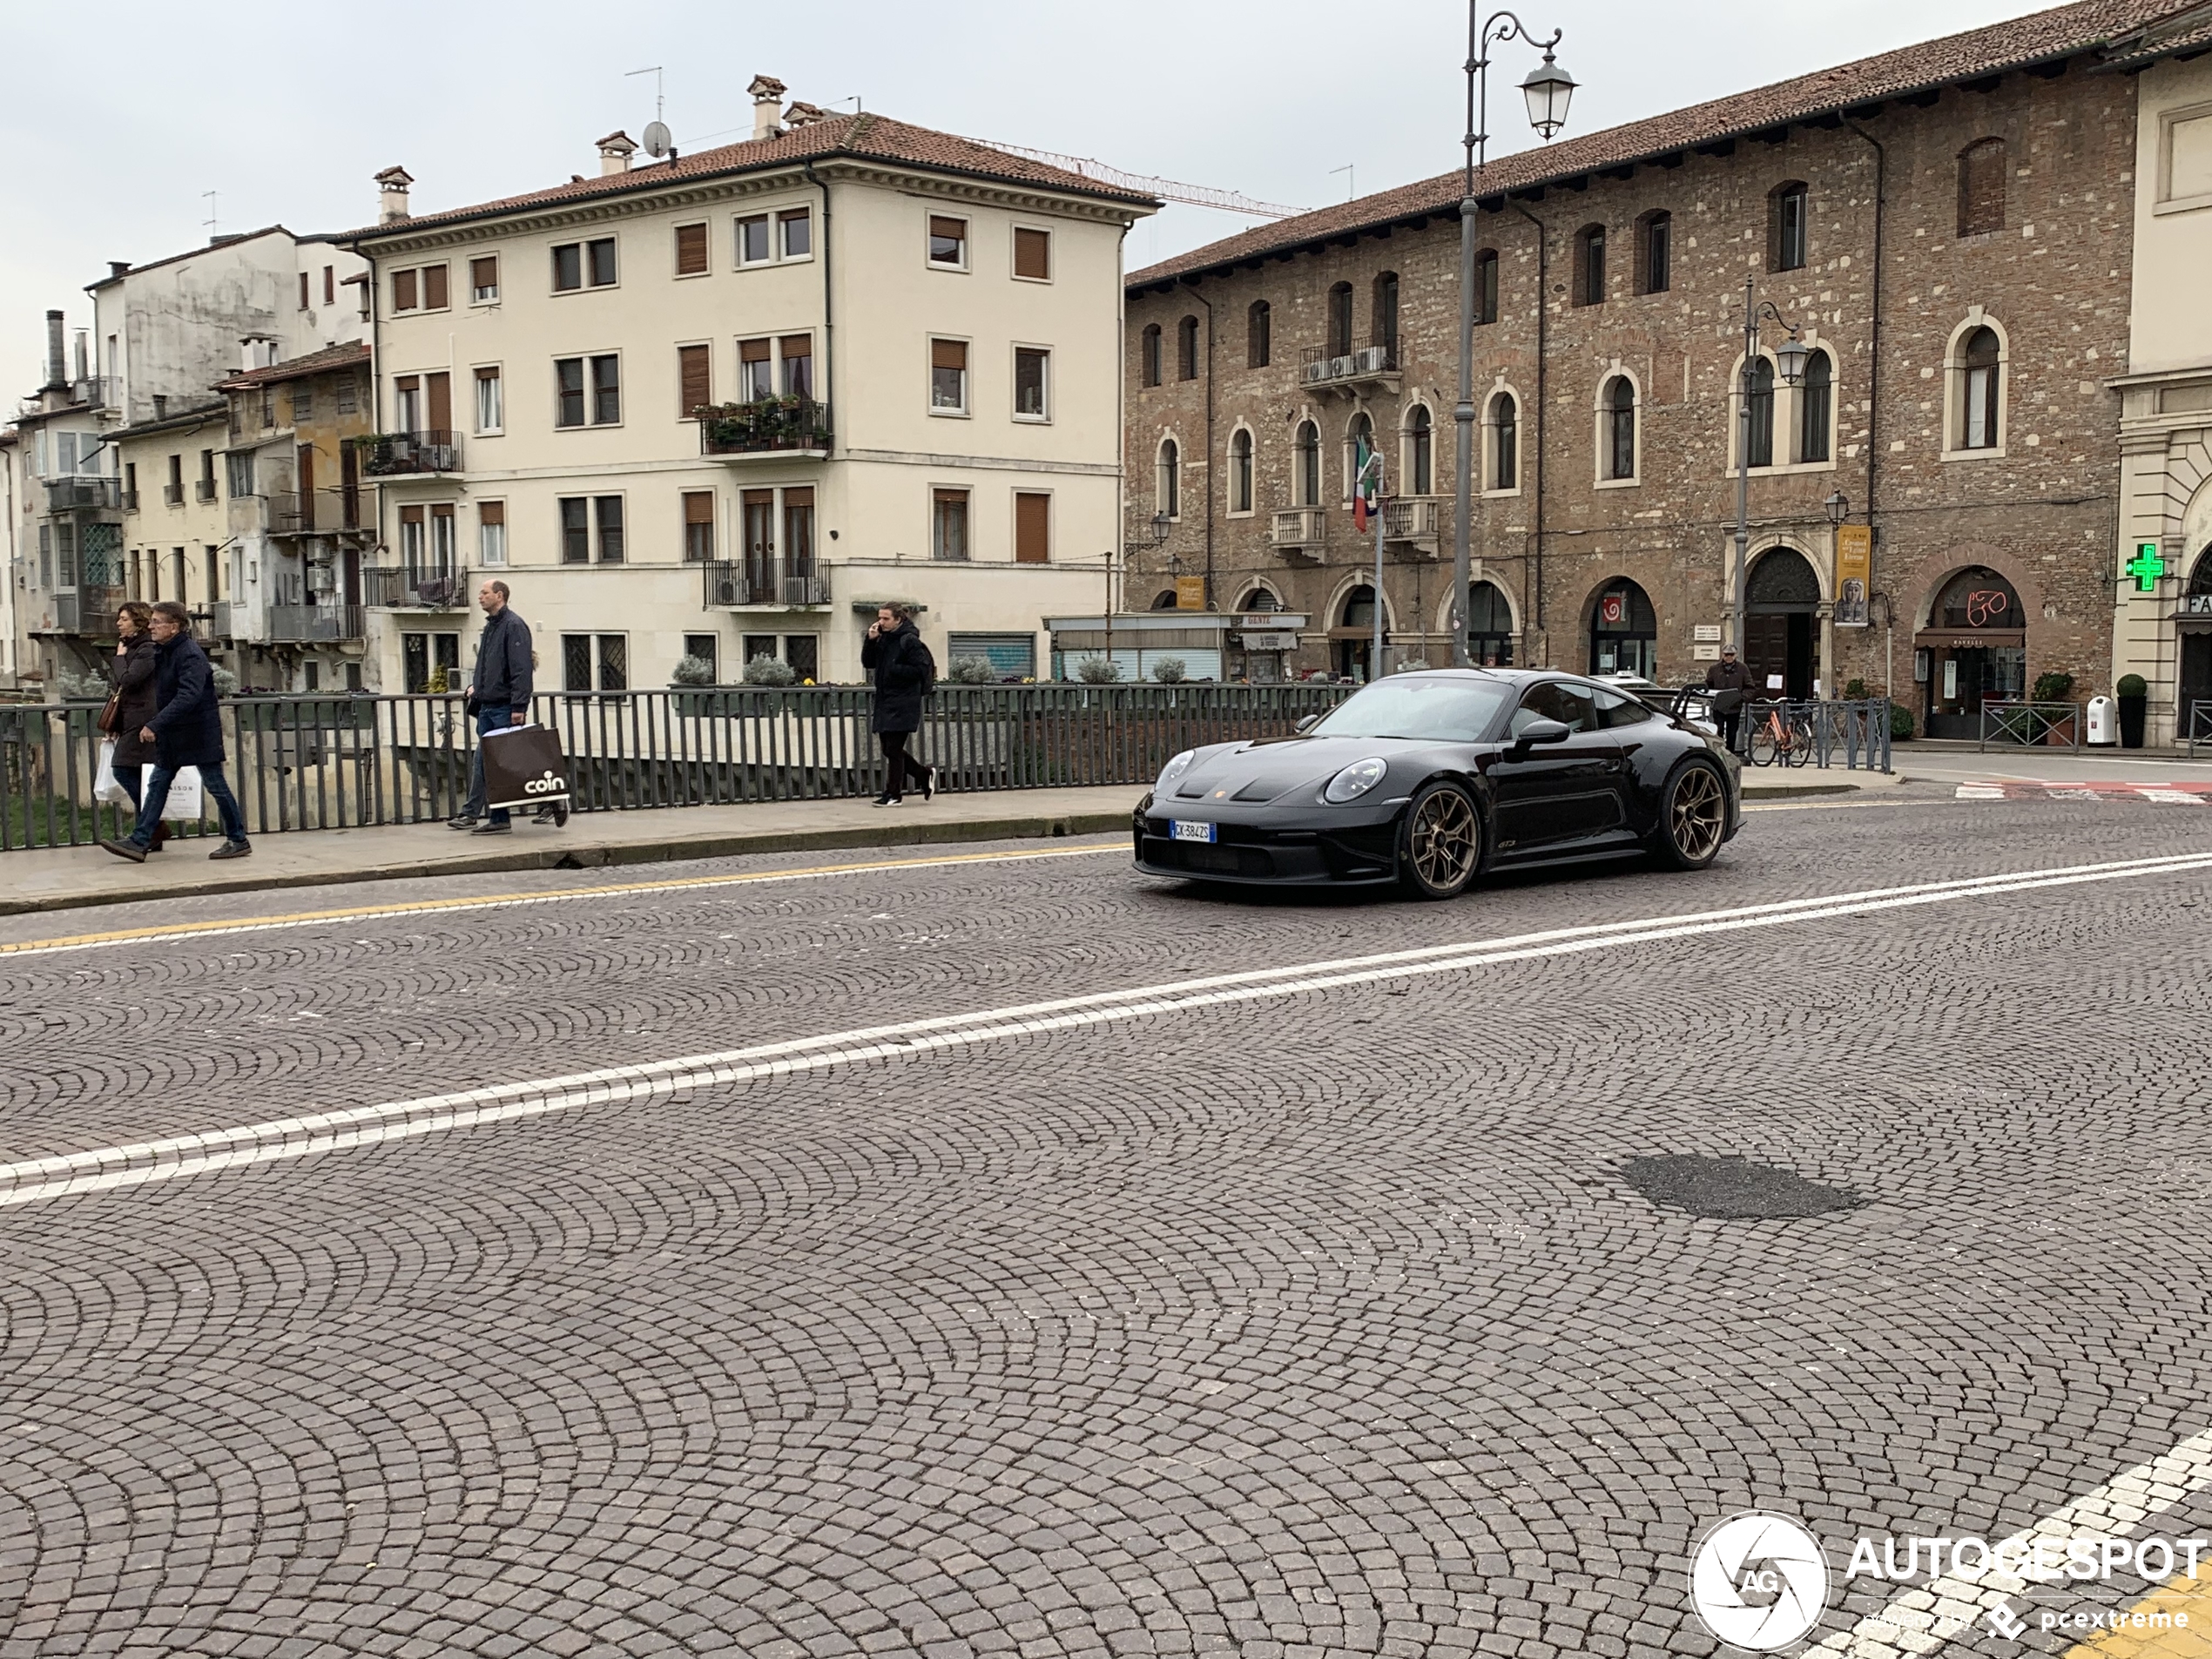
{"points": [[1134, 1295]]}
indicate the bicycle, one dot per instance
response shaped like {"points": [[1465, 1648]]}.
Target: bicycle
{"points": [[1779, 741]]}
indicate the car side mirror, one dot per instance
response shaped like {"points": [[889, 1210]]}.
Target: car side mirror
{"points": [[1307, 724], [1538, 731]]}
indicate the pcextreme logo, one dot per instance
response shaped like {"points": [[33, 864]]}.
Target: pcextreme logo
{"points": [[1758, 1582]]}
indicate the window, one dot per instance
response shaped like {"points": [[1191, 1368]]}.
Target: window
{"points": [[443, 546], [412, 553], [606, 519], [1150, 354], [599, 262], [798, 352], [948, 376], [1032, 368], [753, 245], [606, 390], [576, 530], [435, 296], [757, 509], [578, 265], [581, 653], [756, 370], [1760, 404], [1420, 476], [1614, 710], [1981, 187], [1032, 254], [1788, 233], [1589, 266], [483, 279], [491, 398], [707, 649], [206, 492], [1655, 267], [1982, 362], [491, 534], [795, 232], [1555, 700], [406, 291], [691, 250], [406, 402], [698, 526], [348, 401], [173, 491], [1490, 632], [1340, 320], [422, 288], [1186, 349], [1618, 414], [1258, 334], [1308, 479], [948, 242], [798, 539], [1383, 314], [1486, 286], [306, 294], [1240, 471], [1032, 527], [1505, 442], [431, 662], [1816, 408], [1168, 480], [238, 467], [303, 401], [694, 381], [948, 524], [568, 391]]}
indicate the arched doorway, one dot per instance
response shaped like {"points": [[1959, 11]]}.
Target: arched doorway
{"points": [[1489, 626], [1973, 651], [1782, 625], [1263, 663], [1624, 631], [1352, 639], [2195, 683]]}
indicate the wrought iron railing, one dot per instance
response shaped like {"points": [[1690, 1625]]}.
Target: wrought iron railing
{"points": [[391, 453], [304, 625], [2025, 725], [768, 427], [408, 587], [765, 582]]}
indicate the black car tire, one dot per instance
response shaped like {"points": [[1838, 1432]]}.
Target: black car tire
{"points": [[1440, 841], [1693, 817]]}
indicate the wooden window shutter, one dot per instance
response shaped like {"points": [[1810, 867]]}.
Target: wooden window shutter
{"points": [[1033, 253], [699, 507], [410, 514], [694, 369], [402, 384], [484, 273], [955, 228], [403, 291], [797, 346], [753, 351], [691, 250], [1032, 528], [435, 295], [491, 512], [439, 395], [948, 354]]}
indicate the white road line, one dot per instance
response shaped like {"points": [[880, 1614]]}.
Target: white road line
{"points": [[1920, 1620], [136, 1164]]}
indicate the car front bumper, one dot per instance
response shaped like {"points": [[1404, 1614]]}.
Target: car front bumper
{"points": [[1353, 846]]}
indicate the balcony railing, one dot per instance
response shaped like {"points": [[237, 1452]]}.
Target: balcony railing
{"points": [[302, 625], [765, 582], [394, 453], [1298, 529], [402, 587], [1367, 364], [1416, 520], [97, 391], [130, 501], [773, 426], [93, 490], [204, 488], [223, 618]]}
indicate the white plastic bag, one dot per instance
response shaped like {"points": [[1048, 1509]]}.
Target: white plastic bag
{"points": [[105, 786], [183, 795]]}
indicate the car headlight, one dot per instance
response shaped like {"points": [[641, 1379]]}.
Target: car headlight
{"points": [[1355, 780], [1175, 769]]}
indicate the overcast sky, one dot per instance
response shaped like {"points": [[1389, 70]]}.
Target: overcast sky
{"points": [[122, 115]]}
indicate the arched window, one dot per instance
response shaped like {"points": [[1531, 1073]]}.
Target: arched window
{"points": [[1358, 608], [1362, 430], [1168, 472], [1788, 232], [1341, 320], [1624, 631], [1589, 266], [1260, 599], [1505, 443], [1163, 600], [1761, 403], [1486, 286], [1619, 417], [1309, 465], [1385, 313], [1240, 472], [1352, 653], [1186, 349], [1981, 390], [1815, 409], [1151, 353], [1420, 452], [1981, 187], [1489, 626], [1259, 342], [1655, 253]]}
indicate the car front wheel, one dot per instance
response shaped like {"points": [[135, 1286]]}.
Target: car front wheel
{"points": [[1693, 818], [1439, 842]]}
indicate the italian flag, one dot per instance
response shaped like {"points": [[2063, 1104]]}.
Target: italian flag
{"points": [[1366, 487]]}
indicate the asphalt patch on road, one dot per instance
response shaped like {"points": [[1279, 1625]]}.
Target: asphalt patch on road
{"points": [[1734, 1188]]}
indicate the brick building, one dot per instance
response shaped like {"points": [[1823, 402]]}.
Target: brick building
{"points": [[1947, 225]]}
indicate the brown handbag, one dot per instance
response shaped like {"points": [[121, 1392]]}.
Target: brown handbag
{"points": [[111, 712]]}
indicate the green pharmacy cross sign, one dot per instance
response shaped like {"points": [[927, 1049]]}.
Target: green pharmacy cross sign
{"points": [[2146, 567]]}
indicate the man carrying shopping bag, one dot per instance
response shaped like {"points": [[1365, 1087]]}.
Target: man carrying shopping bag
{"points": [[186, 731], [499, 696]]}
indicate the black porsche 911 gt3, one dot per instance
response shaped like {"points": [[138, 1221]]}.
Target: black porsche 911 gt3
{"points": [[1430, 778]]}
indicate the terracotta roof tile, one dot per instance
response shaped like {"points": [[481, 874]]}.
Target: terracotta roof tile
{"points": [[297, 369], [2037, 38], [867, 137]]}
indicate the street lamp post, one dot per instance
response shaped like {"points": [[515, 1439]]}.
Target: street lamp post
{"points": [[1546, 90], [1790, 355]]}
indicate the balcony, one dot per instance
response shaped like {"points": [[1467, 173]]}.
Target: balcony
{"points": [[1414, 524], [793, 427], [1369, 368], [204, 490], [1297, 533], [223, 618], [315, 512], [85, 492], [130, 501], [171, 495], [402, 587], [306, 624], [392, 455], [766, 583]]}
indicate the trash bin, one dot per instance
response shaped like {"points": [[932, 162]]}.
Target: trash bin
{"points": [[2104, 722]]}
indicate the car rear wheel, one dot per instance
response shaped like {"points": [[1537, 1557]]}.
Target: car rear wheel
{"points": [[1693, 818], [1439, 842]]}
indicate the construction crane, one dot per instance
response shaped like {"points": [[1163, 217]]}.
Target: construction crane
{"points": [[1228, 201]]}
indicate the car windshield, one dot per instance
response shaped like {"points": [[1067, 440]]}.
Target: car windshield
{"points": [[1450, 711]]}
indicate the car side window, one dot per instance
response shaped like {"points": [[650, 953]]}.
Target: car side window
{"points": [[1553, 700], [1614, 710]]}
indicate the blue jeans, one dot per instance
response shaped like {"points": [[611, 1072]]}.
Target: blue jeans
{"points": [[157, 801], [491, 717]]}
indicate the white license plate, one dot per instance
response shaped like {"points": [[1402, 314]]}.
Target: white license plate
{"points": [[1186, 831]]}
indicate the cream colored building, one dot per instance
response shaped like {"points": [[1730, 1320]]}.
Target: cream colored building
{"points": [[722, 405], [2162, 617]]}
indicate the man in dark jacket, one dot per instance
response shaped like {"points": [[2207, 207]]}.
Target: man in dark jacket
{"points": [[186, 729], [1732, 680], [902, 669], [499, 696]]}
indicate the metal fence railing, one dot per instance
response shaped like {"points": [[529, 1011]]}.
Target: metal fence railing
{"points": [[2026, 725], [300, 763], [1820, 732], [2199, 728]]}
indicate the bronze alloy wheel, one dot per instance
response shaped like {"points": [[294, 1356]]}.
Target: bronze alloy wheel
{"points": [[1695, 817], [1441, 843]]}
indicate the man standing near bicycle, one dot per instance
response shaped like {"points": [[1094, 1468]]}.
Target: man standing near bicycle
{"points": [[1729, 677]]}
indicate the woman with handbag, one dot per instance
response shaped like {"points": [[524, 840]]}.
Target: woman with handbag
{"points": [[131, 708]]}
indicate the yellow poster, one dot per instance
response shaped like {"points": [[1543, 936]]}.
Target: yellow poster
{"points": [[1189, 593], [1854, 573]]}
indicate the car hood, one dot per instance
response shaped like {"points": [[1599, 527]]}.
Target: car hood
{"points": [[1273, 767]]}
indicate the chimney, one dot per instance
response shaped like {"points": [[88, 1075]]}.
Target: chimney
{"points": [[393, 182], [84, 367], [57, 365], [803, 114], [118, 267], [615, 150], [767, 106]]}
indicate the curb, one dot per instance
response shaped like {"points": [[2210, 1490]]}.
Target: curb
{"points": [[1782, 792], [909, 833]]}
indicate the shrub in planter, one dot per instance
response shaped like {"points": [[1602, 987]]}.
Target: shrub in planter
{"points": [[2134, 694], [1169, 671], [1900, 722], [971, 671], [765, 669], [693, 671], [1854, 691], [2053, 688], [1098, 670], [2132, 685], [225, 682]]}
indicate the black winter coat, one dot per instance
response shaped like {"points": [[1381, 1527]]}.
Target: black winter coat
{"points": [[132, 675], [187, 726], [503, 676], [900, 664]]}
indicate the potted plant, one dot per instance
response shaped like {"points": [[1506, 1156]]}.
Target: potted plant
{"points": [[2055, 687], [692, 672], [2133, 695], [1169, 671], [971, 671], [1900, 723], [1098, 670]]}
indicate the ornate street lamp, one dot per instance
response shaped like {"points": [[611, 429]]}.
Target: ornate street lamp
{"points": [[1790, 360], [1548, 91], [1839, 506]]}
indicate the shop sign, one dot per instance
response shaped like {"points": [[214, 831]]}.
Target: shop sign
{"points": [[1706, 633], [1269, 642], [1189, 593], [1854, 573], [1613, 610], [2146, 567], [2197, 605]]}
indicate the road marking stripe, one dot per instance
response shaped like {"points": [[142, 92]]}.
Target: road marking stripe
{"points": [[309, 918], [1920, 1620], [138, 1164]]}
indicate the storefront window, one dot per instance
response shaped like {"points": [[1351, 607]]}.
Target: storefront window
{"points": [[1624, 632]]}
